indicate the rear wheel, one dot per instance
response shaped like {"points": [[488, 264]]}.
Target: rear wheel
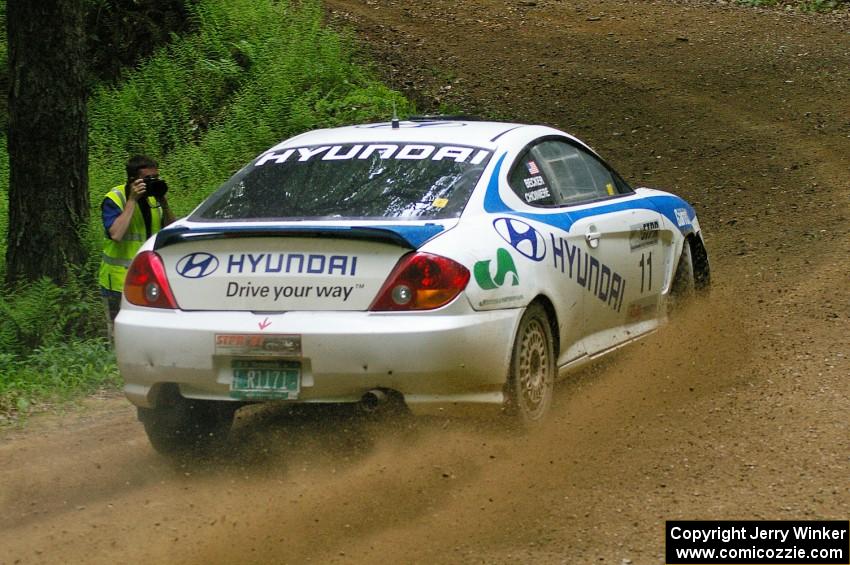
{"points": [[532, 371], [181, 426]]}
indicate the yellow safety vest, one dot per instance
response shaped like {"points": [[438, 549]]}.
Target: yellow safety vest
{"points": [[117, 255]]}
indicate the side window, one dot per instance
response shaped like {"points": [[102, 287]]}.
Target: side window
{"points": [[577, 175], [530, 182], [604, 182], [557, 173], [570, 176]]}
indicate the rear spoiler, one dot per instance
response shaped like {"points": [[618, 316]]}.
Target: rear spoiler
{"points": [[411, 237]]}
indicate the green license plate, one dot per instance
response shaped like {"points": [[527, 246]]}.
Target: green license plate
{"points": [[255, 379]]}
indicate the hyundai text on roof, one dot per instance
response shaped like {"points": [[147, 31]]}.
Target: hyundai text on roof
{"points": [[437, 262]]}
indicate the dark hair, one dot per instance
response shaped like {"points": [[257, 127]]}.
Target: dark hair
{"points": [[137, 163]]}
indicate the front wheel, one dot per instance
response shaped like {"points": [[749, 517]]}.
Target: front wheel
{"points": [[531, 380], [684, 280]]}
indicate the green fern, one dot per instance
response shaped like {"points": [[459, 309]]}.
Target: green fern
{"points": [[32, 315], [255, 72]]}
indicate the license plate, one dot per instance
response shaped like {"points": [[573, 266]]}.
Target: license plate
{"points": [[265, 379]]}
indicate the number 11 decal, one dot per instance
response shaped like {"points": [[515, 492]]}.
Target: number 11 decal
{"points": [[645, 272]]}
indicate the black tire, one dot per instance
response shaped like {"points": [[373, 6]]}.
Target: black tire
{"points": [[683, 287], [182, 426], [531, 381]]}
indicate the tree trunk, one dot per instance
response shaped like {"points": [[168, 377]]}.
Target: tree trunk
{"points": [[48, 139]]}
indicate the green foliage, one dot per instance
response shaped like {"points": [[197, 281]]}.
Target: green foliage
{"points": [[41, 313], [256, 72], [823, 5], [4, 72], [251, 74], [28, 316], [46, 346], [55, 372], [121, 33]]}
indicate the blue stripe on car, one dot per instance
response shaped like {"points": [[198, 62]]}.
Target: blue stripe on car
{"points": [[666, 205]]}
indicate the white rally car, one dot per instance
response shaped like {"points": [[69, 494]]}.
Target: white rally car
{"points": [[434, 262]]}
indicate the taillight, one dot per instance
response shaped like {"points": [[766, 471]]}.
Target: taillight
{"points": [[146, 283], [421, 281]]}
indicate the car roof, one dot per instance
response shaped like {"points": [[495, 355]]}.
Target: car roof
{"points": [[462, 132]]}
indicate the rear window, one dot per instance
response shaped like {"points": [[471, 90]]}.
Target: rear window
{"points": [[390, 181]]}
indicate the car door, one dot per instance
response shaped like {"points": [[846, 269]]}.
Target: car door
{"points": [[612, 248], [533, 184]]}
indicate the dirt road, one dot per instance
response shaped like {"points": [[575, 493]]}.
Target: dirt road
{"points": [[739, 409]]}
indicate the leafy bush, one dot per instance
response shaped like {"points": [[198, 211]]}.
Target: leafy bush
{"points": [[121, 33], [46, 346], [55, 372], [257, 71], [254, 72], [41, 313]]}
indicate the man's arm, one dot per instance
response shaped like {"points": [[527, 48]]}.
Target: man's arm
{"points": [[167, 214], [119, 227]]}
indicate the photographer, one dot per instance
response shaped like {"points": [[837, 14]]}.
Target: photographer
{"points": [[131, 213]]}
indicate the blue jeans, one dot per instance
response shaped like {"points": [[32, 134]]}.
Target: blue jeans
{"points": [[111, 305]]}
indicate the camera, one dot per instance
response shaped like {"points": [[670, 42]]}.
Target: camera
{"points": [[155, 186]]}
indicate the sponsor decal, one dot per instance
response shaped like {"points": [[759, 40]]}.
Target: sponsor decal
{"points": [[533, 182], [535, 195], [588, 272], [504, 266], [278, 345], [682, 218], [541, 192], [643, 235], [197, 265], [278, 292], [522, 237], [299, 263], [410, 151], [440, 202], [503, 300], [200, 264]]}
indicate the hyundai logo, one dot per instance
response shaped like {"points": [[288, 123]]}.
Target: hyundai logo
{"points": [[197, 265], [522, 237]]}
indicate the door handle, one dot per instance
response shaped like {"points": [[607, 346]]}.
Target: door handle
{"points": [[592, 237]]}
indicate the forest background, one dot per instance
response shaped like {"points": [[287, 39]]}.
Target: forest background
{"points": [[202, 86]]}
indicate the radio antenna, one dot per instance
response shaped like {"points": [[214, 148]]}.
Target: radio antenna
{"points": [[395, 122]]}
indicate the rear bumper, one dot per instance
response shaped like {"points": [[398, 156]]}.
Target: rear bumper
{"points": [[450, 356]]}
